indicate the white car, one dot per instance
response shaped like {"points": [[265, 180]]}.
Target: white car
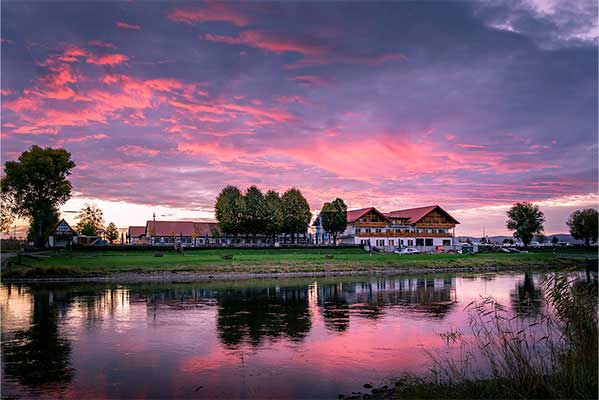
{"points": [[407, 250]]}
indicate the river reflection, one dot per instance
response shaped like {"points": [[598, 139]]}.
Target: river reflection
{"points": [[263, 338]]}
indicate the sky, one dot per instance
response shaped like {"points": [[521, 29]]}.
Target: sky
{"points": [[470, 105]]}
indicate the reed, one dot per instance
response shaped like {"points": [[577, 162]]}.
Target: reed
{"points": [[552, 355]]}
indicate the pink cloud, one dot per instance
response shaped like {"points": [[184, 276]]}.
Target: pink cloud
{"points": [[269, 42], [80, 139], [314, 54], [314, 80], [213, 11], [107, 59], [135, 150], [101, 43], [6, 92], [124, 25]]}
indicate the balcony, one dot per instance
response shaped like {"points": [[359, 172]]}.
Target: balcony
{"points": [[404, 234], [370, 224]]}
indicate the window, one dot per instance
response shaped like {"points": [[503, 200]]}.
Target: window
{"points": [[391, 242], [367, 230], [428, 242], [410, 242], [401, 242], [446, 242], [378, 230], [357, 230], [380, 242], [419, 242]]}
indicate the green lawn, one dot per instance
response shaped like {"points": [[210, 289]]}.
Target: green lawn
{"points": [[263, 261]]}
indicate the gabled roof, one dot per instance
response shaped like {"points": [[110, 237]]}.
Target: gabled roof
{"points": [[137, 231], [180, 228], [414, 215], [354, 215], [60, 222]]}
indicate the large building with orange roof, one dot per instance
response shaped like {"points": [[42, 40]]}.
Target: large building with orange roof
{"points": [[427, 228]]}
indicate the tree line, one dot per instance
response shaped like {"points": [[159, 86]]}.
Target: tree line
{"points": [[255, 213]]}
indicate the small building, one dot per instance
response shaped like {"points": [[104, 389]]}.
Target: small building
{"points": [[188, 233], [62, 235], [136, 234]]}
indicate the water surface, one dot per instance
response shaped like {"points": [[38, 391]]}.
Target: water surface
{"points": [[302, 337]]}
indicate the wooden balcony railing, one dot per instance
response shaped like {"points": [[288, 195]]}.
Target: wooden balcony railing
{"points": [[371, 224], [403, 234], [434, 225]]}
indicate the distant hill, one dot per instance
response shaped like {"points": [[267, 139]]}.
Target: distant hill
{"points": [[562, 237]]}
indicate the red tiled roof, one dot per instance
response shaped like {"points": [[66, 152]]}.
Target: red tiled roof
{"points": [[183, 228], [413, 215], [354, 215], [137, 231]]}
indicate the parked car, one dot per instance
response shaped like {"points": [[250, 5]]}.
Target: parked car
{"points": [[407, 250]]}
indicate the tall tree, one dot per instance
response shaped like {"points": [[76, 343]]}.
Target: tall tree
{"points": [[229, 210], [526, 220], [91, 219], [112, 232], [334, 217], [274, 213], [254, 212], [584, 225], [7, 216], [554, 240], [296, 212], [37, 186]]}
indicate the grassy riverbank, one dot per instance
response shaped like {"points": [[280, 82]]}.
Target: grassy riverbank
{"points": [[261, 261]]}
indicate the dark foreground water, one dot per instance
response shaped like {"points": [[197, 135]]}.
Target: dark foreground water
{"points": [[286, 338]]}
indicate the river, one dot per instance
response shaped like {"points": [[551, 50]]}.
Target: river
{"points": [[275, 338]]}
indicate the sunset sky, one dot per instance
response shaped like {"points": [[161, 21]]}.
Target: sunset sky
{"points": [[470, 105]]}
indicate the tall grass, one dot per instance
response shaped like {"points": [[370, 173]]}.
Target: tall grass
{"points": [[554, 354]]}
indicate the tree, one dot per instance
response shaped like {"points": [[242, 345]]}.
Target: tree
{"points": [[296, 212], [526, 220], [554, 240], [37, 186], [91, 219], [229, 210], [112, 232], [334, 217], [7, 216], [541, 238], [254, 212], [584, 224], [274, 213]]}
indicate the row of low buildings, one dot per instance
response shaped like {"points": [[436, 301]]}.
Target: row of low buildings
{"points": [[426, 228]]}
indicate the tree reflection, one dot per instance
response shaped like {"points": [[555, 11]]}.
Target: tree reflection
{"points": [[251, 315], [39, 356], [527, 298]]}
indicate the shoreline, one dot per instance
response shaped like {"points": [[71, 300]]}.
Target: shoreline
{"points": [[186, 276]]}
